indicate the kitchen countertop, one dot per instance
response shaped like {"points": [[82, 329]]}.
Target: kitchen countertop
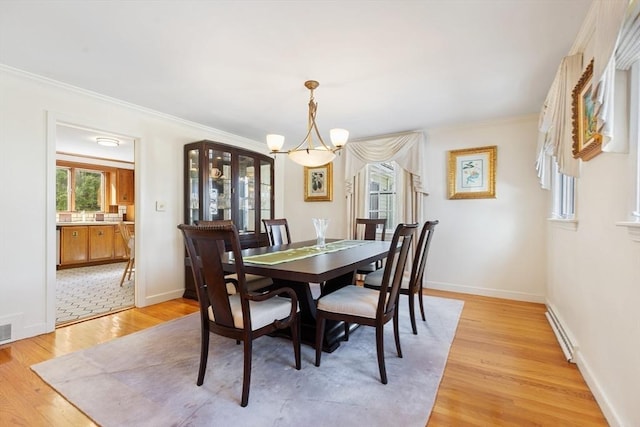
{"points": [[79, 223]]}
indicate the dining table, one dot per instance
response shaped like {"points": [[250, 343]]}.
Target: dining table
{"points": [[298, 264]]}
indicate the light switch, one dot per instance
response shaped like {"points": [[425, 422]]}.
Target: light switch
{"points": [[160, 206]]}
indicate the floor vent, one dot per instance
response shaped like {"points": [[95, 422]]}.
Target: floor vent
{"points": [[563, 339], [5, 332]]}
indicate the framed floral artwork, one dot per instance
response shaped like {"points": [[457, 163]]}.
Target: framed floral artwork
{"points": [[472, 173], [318, 183], [587, 142]]}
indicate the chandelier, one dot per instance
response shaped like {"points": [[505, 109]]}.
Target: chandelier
{"points": [[306, 154]]}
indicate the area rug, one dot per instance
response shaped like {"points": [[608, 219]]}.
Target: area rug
{"points": [[148, 378]]}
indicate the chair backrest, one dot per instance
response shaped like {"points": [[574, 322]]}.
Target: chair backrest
{"points": [[126, 237], [420, 258], [394, 267], [206, 246], [366, 229], [276, 230]]}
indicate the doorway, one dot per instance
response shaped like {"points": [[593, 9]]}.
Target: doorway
{"points": [[94, 199]]}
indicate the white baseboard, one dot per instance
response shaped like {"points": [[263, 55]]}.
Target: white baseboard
{"points": [[158, 298], [603, 401], [587, 373], [487, 292]]}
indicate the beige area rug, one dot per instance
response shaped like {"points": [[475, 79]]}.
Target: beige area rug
{"points": [[148, 378]]}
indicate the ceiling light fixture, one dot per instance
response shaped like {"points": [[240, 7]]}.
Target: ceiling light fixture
{"points": [[306, 154], [108, 142]]}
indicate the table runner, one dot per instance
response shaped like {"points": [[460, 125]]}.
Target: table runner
{"points": [[301, 253]]}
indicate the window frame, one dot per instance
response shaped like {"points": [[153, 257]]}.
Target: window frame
{"points": [[108, 178], [563, 206], [397, 212]]}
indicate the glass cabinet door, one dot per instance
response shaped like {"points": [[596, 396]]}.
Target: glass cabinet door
{"points": [[218, 194], [193, 186], [265, 191], [246, 194]]}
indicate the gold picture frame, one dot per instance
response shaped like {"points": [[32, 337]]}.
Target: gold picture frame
{"points": [[587, 142], [318, 183], [472, 173]]}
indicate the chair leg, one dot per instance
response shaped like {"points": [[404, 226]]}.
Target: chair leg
{"points": [[396, 331], [412, 312], [204, 354], [424, 319], [131, 265], [319, 334], [380, 351], [246, 381], [295, 335], [346, 331], [124, 273]]}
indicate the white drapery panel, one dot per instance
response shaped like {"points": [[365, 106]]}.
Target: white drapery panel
{"points": [[407, 150], [604, 26], [609, 23], [555, 125]]}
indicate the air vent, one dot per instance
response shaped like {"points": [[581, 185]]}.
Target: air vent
{"points": [[5, 332]]}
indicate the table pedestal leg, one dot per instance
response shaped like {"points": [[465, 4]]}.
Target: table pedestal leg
{"points": [[334, 330]]}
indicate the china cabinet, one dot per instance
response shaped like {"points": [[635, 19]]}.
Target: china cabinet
{"points": [[222, 182]]}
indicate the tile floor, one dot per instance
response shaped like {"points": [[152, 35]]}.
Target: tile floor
{"points": [[86, 292]]}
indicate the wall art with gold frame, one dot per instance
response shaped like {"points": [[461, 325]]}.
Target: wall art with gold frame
{"points": [[472, 173], [587, 142], [318, 183]]}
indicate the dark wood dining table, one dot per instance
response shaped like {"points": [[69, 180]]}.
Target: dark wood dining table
{"points": [[334, 269]]}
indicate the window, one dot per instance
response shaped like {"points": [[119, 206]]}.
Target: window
{"points": [[79, 189], [383, 198], [564, 195]]}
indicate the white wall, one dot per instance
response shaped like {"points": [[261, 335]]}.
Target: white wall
{"points": [[29, 109], [594, 286], [492, 247]]}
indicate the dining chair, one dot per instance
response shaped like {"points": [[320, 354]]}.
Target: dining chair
{"points": [[277, 229], [414, 284], [243, 316], [370, 307], [369, 229], [254, 281], [129, 253]]}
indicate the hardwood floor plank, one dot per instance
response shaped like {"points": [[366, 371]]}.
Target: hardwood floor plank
{"points": [[505, 368]]}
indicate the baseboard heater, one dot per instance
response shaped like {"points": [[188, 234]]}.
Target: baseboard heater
{"points": [[5, 333], [562, 337]]}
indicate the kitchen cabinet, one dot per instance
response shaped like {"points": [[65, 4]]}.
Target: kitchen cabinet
{"points": [[101, 242], [222, 182], [90, 244], [124, 187], [74, 245]]}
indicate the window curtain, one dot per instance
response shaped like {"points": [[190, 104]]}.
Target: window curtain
{"points": [[610, 18], [555, 125], [611, 27], [408, 150]]}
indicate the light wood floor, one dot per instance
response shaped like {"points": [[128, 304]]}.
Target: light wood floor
{"points": [[505, 368]]}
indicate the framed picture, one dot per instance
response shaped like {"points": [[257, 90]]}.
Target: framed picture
{"points": [[587, 142], [318, 185], [472, 173]]}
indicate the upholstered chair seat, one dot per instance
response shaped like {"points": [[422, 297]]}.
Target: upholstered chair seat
{"points": [[351, 300], [262, 312]]}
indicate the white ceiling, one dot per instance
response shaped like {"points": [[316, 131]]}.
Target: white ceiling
{"points": [[239, 66]]}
